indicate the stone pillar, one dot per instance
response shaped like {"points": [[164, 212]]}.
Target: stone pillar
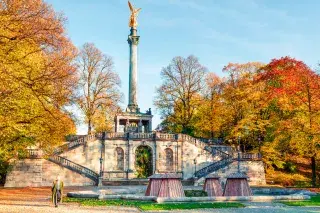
{"points": [[140, 126], [117, 124], [150, 125], [133, 41]]}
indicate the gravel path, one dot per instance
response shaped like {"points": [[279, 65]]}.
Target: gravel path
{"points": [[29, 200], [38, 207]]}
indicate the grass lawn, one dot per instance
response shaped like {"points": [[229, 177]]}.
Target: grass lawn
{"points": [[314, 201], [148, 205]]}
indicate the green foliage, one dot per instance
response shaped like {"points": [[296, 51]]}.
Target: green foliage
{"points": [[4, 168], [148, 205], [143, 161], [36, 78], [195, 193], [302, 184], [198, 205], [284, 179], [290, 167], [96, 202], [314, 201]]}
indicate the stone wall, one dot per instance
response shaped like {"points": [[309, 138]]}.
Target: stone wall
{"points": [[184, 154], [183, 157], [191, 153], [40, 172], [129, 148], [253, 169], [87, 156]]}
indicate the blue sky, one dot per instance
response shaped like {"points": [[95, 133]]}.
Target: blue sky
{"points": [[216, 31]]}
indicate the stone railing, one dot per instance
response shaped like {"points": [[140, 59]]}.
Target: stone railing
{"points": [[141, 135], [111, 135], [213, 167], [75, 167], [195, 141], [73, 144], [109, 175], [156, 135], [247, 156], [34, 153], [161, 136]]}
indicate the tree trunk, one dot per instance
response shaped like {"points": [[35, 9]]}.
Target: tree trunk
{"points": [[89, 127], [313, 167]]}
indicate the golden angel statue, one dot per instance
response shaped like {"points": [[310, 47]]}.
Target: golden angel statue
{"points": [[133, 17]]}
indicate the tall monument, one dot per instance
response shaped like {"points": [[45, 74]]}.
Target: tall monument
{"points": [[132, 120], [133, 40]]}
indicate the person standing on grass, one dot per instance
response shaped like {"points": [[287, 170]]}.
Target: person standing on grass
{"points": [[57, 190]]}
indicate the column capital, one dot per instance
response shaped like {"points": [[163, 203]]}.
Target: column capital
{"points": [[133, 40]]}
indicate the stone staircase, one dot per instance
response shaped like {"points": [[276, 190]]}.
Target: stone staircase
{"points": [[64, 162], [225, 154], [225, 160], [75, 167], [73, 144], [204, 144]]}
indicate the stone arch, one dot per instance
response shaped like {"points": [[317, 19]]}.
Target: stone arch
{"points": [[168, 159], [119, 153], [143, 161]]}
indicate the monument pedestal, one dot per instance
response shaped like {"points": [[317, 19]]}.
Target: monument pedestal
{"points": [[212, 186], [237, 185], [165, 185]]}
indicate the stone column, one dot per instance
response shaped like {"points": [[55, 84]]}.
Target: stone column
{"points": [[133, 41], [140, 126], [150, 125], [117, 124]]}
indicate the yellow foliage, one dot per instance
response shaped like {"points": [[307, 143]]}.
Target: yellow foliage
{"points": [[36, 77]]}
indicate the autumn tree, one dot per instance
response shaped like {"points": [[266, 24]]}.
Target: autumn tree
{"points": [[179, 94], [99, 84], [295, 89], [211, 113], [246, 115], [37, 77]]}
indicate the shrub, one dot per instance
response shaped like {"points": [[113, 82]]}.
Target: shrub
{"points": [[288, 179], [195, 193], [290, 167]]}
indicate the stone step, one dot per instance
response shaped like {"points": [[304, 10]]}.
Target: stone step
{"points": [[134, 182]]}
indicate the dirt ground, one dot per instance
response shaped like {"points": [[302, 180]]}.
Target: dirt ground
{"points": [[32, 193], [29, 200]]}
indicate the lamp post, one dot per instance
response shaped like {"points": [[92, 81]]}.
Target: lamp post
{"points": [[195, 166], [101, 159], [238, 154], [259, 141]]}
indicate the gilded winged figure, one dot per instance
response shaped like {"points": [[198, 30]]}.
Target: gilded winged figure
{"points": [[133, 17]]}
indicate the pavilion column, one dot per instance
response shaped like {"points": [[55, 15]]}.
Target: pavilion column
{"points": [[150, 125], [117, 125]]}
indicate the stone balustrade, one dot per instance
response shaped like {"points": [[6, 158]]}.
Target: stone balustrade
{"points": [[162, 136], [141, 135], [109, 175], [248, 156], [34, 153], [111, 135]]}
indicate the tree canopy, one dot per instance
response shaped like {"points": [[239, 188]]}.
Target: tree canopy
{"points": [[98, 87], [37, 77], [273, 108]]}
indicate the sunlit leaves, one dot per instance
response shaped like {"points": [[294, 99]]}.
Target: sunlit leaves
{"points": [[36, 77]]}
